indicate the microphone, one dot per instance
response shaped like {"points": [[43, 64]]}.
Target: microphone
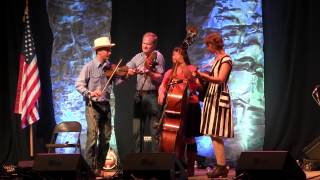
{"points": [[176, 82]]}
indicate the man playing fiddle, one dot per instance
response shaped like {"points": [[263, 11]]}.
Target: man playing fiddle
{"points": [[92, 84], [148, 65]]}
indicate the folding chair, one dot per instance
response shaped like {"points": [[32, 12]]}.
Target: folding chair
{"points": [[65, 127]]}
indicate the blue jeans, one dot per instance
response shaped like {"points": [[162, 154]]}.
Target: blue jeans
{"points": [[147, 111], [98, 133]]}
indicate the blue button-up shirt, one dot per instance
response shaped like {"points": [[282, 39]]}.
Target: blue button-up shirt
{"points": [[92, 77], [145, 82]]}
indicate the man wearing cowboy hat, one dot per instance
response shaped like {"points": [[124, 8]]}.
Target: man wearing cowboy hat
{"points": [[91, 84]]}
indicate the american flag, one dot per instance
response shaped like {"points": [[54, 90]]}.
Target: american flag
{"points": [[28, 88]]}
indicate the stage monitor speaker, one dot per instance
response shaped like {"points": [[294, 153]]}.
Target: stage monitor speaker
{"points": [[152, 166], [312, 150], [62, 166], [254, 165]]}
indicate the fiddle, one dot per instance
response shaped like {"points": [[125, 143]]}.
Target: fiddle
{"points": [[151, 61], [120, 71], [116, 67]]}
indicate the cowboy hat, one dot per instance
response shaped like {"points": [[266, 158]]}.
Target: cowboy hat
{"points": [[102, 42]]}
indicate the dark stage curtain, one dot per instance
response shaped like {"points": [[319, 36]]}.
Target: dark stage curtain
{"points": [[291, 69], [291, 72], [130, 20], [14, 140]]}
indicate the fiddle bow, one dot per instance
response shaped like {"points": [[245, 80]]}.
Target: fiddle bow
{"points": [[112, 74]]}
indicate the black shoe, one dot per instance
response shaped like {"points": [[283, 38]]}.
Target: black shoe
{"points": [[218, 172]]}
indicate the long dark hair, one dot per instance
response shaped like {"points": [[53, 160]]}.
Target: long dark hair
{"points": [[183, 52]]}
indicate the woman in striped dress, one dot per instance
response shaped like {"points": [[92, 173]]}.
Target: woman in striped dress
{"points": [[216, 117]]}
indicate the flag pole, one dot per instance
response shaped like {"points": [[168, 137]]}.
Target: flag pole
{"points": [[26, 11], [31, 141]]}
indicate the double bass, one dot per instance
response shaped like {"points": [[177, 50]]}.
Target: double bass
{"points": [[174, 109]]}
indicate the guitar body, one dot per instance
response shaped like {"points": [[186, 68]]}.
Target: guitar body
{"points": [[203, 91], [172, 134]]}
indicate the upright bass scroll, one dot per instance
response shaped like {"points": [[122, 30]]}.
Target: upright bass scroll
{"points": [[192, 32]]}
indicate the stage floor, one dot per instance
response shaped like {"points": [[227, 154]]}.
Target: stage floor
{"points": [[200, 174]]}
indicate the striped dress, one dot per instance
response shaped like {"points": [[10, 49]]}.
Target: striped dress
{"points": [[216, 117]]}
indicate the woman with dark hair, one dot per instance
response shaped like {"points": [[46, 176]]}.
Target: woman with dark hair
{"points": [[216, 116], [183, 72]]}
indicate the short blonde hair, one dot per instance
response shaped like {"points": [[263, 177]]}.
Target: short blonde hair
{"points": [[153, 36], [215, 39]]}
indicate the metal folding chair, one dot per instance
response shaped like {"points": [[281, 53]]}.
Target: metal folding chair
{"points": [[65, 127]]}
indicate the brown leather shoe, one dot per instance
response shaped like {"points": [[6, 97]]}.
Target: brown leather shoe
{"points": [[218, 172]]}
